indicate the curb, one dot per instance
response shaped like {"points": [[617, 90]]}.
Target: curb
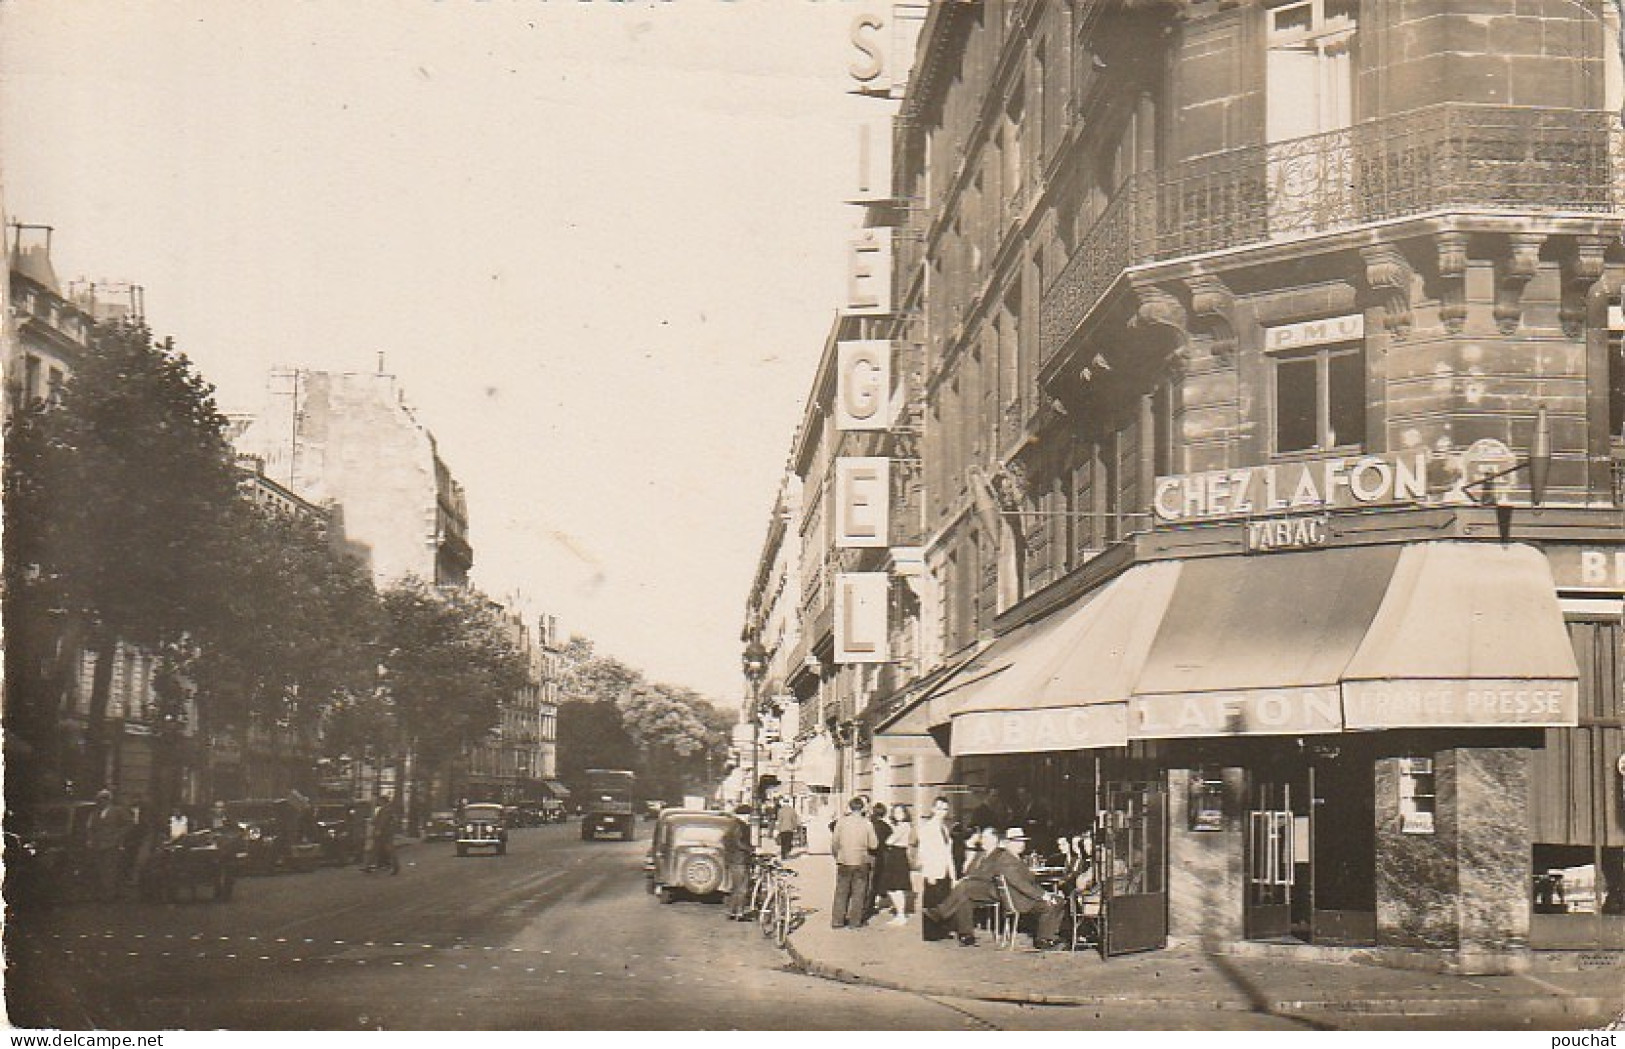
{"points": [[1477, 1007]]}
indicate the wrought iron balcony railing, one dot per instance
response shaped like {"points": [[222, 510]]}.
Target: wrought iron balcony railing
{"points": [[1444, 156]]}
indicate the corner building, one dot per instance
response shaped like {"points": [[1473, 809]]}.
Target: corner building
{"points": [[1239, 324]]}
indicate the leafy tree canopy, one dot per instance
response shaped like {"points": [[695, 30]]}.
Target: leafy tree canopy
{"points": [[449, 663]]}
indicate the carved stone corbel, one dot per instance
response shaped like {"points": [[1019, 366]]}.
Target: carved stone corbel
{"points": [[1517, 269], [1160, 315], [1388, 276], [1213, 302], [1452, 280], [1582, 269]]}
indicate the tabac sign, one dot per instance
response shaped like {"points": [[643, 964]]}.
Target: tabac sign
{"points": [[1320, 484]]}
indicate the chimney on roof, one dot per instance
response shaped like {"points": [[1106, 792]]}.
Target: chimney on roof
{"points": [[31, 255]]}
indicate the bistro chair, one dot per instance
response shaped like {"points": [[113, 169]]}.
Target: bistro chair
{"points": [[1084, 909], [1007, 917]]}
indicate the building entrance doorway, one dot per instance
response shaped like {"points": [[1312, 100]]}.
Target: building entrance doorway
{"points": [[1311, 848]]}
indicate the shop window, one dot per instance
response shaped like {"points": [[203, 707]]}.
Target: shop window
{"points": [[1206, 808], [1320, 399], [1566, 881], [1417, 796]]}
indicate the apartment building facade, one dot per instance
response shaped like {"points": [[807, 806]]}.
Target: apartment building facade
{"points": [[1271, 389]]}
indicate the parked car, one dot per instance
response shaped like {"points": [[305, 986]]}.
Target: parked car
{"points": [[45, 853], [275, 835], [688, 854], [483, 827], [340, 831], [196, 859], [440, 826]]}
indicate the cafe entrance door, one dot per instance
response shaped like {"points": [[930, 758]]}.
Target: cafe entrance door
{"points": [[1311, 848], [1132, 856], [1276, 841]]}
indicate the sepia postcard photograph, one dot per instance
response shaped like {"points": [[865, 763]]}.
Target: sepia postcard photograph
{"points": [[882, 516]]}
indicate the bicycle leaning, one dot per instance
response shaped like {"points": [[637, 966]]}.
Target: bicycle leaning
{"points": [[773, 898]]}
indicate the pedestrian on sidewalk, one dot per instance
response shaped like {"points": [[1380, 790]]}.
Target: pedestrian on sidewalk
{"points": [[937, 867], [877, 896], [897, 869], [737, 851], [785, 825], [852, 844]]}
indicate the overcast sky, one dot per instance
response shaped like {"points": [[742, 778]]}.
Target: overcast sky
{"points": [[600, 243]]}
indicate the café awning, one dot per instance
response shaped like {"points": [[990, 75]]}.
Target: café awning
{"points": [[1442, 634], [1386, 636], [1062, 683], [1257, 645], [1468, 634]]}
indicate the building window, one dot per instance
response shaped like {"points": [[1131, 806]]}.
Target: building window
{"points": [[1309, 79], [1320, 399]]}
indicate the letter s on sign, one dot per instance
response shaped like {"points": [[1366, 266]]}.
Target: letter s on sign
{"points": [[866, 72]]}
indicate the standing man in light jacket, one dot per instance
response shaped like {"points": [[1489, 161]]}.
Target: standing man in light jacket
{"points": [[852, 843], [937, 870]]}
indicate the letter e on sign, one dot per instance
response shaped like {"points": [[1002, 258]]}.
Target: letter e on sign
{"points": [[862, 502], [863, 385]]}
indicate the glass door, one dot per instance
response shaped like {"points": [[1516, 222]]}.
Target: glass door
{"points": [[1131, 842], [1271, 871]]}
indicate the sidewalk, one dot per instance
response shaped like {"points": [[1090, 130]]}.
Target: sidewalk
{"points": [[1180, 976]]}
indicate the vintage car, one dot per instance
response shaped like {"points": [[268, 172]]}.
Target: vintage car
{"points": [[441, 825], [276, 835], [190, 861], [688, 854], [340, 831], [45, 857], [483, 827]]}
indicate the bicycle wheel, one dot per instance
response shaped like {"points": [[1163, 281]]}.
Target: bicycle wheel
{"points": [[781, 916], [765, 913], [758, 894]]}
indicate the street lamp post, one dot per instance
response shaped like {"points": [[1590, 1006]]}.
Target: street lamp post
{"points": [[754, 664]]}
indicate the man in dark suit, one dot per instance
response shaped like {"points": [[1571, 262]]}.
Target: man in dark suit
{"points": [[977, 887]]}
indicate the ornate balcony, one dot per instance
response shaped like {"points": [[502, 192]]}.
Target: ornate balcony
{"points": [[1440, 157]]}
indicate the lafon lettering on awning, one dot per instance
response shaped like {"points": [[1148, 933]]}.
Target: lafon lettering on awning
{"points": [[1253, 712], [1318, 484]]}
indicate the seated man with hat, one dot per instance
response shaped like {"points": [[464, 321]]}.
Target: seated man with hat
{"points": [[977, 887]]}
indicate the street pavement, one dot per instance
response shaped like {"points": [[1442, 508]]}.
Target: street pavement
{"points": [[1185, 987], [557, 934], [560, 935]]}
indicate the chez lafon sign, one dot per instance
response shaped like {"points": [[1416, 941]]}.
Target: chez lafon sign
{"points": [[1290, 488]]}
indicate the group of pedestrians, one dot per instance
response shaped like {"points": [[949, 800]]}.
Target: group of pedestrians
{"points": [[879, 853]]}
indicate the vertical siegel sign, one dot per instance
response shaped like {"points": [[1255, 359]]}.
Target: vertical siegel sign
{"points": [[862, 502], [863, 385], [860, 617]]}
